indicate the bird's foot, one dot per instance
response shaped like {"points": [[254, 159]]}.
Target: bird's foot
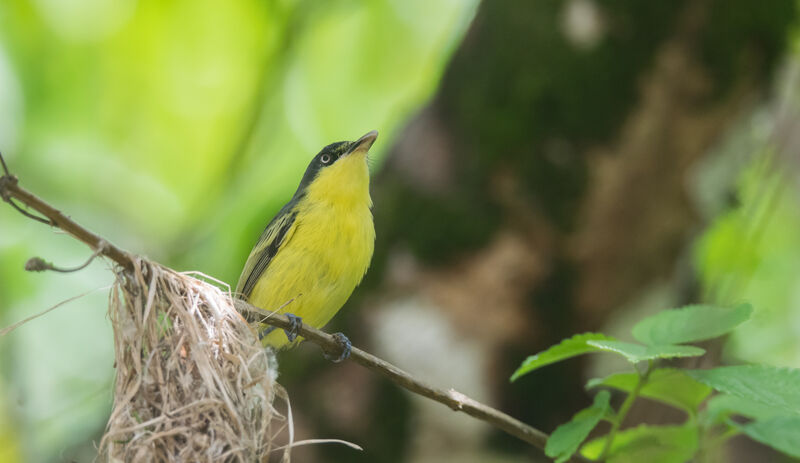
{"points": [[263, 333], [294, 326], [346, 346], [291, 332]]}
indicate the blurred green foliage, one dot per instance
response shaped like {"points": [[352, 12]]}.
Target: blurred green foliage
{"points": [[751, 253], [176, 129]]}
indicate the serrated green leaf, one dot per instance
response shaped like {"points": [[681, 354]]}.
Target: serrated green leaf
{"points": [[777, 387], [570, 347], [722, 406], [667, 385], [651, 444], [566, 439], [689, 324], [781, 433], [636, 352]]}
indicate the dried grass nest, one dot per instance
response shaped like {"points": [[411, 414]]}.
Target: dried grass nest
{"points": [[193, 384]]}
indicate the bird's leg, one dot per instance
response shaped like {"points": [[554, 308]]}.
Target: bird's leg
{"points": [[263, 333], [346, 346], [294, 326], [291, 332]]}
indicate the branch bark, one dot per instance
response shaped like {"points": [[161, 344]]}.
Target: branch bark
{"points": [[452, 398], [11, 191]]}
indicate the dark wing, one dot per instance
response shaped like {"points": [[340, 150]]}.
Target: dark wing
{"points": [[277, 232]]}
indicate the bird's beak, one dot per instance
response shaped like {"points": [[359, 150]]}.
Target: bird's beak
{"points": [[363, 144]]}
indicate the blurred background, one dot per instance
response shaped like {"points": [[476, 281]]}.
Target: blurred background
{"points": [[544, 168]]}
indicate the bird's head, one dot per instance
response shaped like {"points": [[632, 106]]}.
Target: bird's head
{"points": [[339, 172]]}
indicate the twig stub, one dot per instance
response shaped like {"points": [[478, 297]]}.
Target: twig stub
{"points": [[54, 217], [37, 264]]}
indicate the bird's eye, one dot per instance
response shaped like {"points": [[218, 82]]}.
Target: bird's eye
{"points": [[325, 158]]}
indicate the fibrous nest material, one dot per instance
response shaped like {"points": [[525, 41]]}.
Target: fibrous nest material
{"points": [[193, 383]]}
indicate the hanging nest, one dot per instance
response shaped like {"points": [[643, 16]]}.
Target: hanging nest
{"points": [[193, 383]]}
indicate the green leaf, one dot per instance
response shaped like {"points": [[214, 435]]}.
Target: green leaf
{"points": [[566, 439], [567, 348], [598, 342], [667, 385], [689, 324], [722, 406], [651, 444], [636, 352], [781, 433], [768, 385]]}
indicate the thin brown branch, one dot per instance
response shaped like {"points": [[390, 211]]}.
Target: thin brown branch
{"points": [[26, 213], [452, 398], [5, 186], [457, 401], [10, 190]]}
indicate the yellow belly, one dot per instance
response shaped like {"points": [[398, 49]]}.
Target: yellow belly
{"points": [[317, 268]]}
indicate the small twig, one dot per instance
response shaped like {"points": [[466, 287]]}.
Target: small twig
{"points": [[37, 264], [10, 189], [5, 185], [319, 441], [453, 399], [624, 408], [26, 213], [6, 180]]}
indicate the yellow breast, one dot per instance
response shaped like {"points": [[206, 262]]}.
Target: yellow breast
{"points": [[328, 250]]}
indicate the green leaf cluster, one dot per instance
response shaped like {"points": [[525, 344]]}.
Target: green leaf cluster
{"points": [[767, 396]]}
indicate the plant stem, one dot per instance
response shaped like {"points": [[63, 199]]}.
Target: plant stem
{"points": [[623, 410], [711, 444]]}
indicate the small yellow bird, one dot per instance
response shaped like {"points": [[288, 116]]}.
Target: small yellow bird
{"points": [[316, 250]]}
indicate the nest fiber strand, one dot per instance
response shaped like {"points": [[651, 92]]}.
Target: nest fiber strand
{"points": [[192, 382]]}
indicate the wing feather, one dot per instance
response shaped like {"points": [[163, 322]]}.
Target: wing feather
{"points": [[272, 238]]}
